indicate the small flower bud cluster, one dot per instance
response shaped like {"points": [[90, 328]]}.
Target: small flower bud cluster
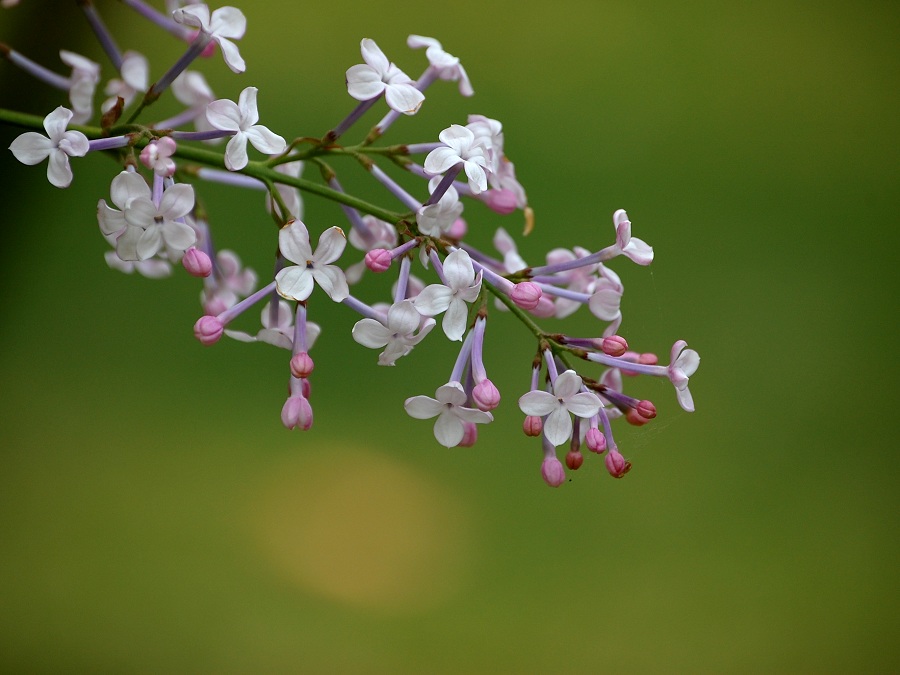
{"points": [[156, 220]]}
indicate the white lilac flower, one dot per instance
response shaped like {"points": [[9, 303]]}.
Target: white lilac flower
{"points": [[296, 282], [398, 335], [125, 187], [512, 261], [606, 299], [435, 220], [682, 364], [154, 268], [445, 65], [460, 145], [631, 247], [378, 75], [135, 71], [566, 398], [58, 145], [489, 134], [82, 83], [277, 328], [191, 89], [163, 226], [463, 286], [242, 118], [225, 24], [449, 408]]}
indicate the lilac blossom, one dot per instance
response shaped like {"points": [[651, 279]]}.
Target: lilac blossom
{"points": [[449, 408], [379, 76], [224, 25], [57, 146], [460, 147], [242, 118], [446, 66], [462, 286], [397, 334], [566, 398], [296, 282]]}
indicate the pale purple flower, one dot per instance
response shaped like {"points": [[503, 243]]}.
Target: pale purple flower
{"points": [[606, 299], [449, 408], [277, 328], [58, 145], [163, 226], [631, 247], [566, 398], [82, 84], [398, 334], [296, 282], [446, 66], [682, 364], [460, 146], [463, 286], [135, 73], [225, 24], [378, 75], [242, 118], [435, 220]]}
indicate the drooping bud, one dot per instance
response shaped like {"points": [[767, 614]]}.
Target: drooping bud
{"points": [[616, 464], [533, 426], [634, 418], [378, 260], [486, 395], [208, 330], [574, 459], [646, 409], [648, 359], [470, 435], [526, 295], [553, 472], [614, 345], [545, 308], [297, 413], [595, 440], [196, 262], [301, 365]]}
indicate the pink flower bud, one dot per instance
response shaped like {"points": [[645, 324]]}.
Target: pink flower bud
{"points": [[500, 201], [196, 262], [574, 459], [470, 435], [526, 295], [646, 409], [648, 359], [616, 464], [635, 419], [378, 259], [553, 472], [208, 330], [486, 395], [614, 345], [595, 440], [545, 308], [302, 365], [458, 229], [533, 426], [305, 388], [297, 413]]}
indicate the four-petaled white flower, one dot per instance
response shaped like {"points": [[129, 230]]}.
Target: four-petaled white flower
{"points": [[445, 65], [135, 73], [378, 75], [191, 89], [225, 24], [278, 328], [606, 299], [435, 220], [242, 118], [296, 282], [460, 145], [566, 398], [448, 406], [682, 364], [33, 148], [631, 247], [463, 286], [398, 335]]}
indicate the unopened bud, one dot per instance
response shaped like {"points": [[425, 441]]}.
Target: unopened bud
{"points": [[208, 330], [500, 201], [458, 229], [470, 435], [302, 365], [297, 413], [595, 440], [378, 259], [646, 409], [545, 308], [196, 262], [533, 426], [616, 464], [553, 472], [574, 459], [634, 418], [614, 345], [648, 359], [486, 395], [526, 295]]}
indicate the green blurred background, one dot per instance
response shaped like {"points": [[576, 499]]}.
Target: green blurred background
{"points": [[156, 517]]}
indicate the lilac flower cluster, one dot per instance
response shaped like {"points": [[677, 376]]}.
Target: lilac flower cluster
{"points": [[154, 224]]}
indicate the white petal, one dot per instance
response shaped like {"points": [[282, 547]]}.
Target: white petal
{"points": [[178, 236], [294, 283], [403, 317], [149, 243], [126, 244], [538, 403], [126, 186], [558, 426], [31, 148], [265, 141], [373, 55], [404, 98], [193, 15], [110, 220], [331, 245], [293, 242], [451, 393], [433, 300], [74, 144], [228, 22], [236, 152], [56, 122], [685, 400], [567, 384], [449, 429], [59, 173], [247, 106], [177, 201], [423, 407], [332, 281], [440, 160], [370, 333], [458, 269], [454, 322], [477, 177], [232, 55], [224, 114], [583, 404], [363, 83]]}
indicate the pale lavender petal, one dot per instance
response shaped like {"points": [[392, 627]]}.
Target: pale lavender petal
{"points": [[363, 82], [126, 186], [224, 114], [110, 220], [373, 55], [126, 244], [458, 269], [451, 393], [449, 429], [433, 300], [538, 403], [423, 407], [294, 283], [332, 281], [247, 106], [685, 400], [74, 144], [370, 333], [228, 22], [454, 322], [140, 212], [232, 55], [404, 98], [59, 173], [440, 160], [236, 152], [32, 148], [266, 141], [293, 242], [331, 245], [583, 404], [56, 122], [149, 243], [558, 426], [178, 236], [193, 15], [567, 384], [177, 201]]}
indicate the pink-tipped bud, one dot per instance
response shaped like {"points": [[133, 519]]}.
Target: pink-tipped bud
{"points": [[486, 395], [470, 435], [458, 229], [545, 308], [533, 426], [500, 201], [648, 359], [616, 464], [634, 419], [595, 440], [646, 409], [297, 413], [302, 365], [614, 345], [527, 295], [378, 260], [305, 388], [574, 459], [208, 330], [196, 262], [553, 472]]}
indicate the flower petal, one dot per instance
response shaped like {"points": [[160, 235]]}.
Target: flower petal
{"points": [[294, 283], [332, 280], [265, 140], [433, 300], [236, 152], [373, 55], [331, 244], [404, 98], [59, 173], [449, 429], [31, 148], [454, 322], [56, 122], [228, 22], [224, 114], [232, 55], [371, 333], [423, 407], [538, 403], [440, 160], [558, 426], [458, 270], [583, 404], [363, 83], [567, 384], [177, 201], [293, 242]]}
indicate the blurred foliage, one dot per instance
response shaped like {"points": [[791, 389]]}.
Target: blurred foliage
{"points": [[156, 517]]}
